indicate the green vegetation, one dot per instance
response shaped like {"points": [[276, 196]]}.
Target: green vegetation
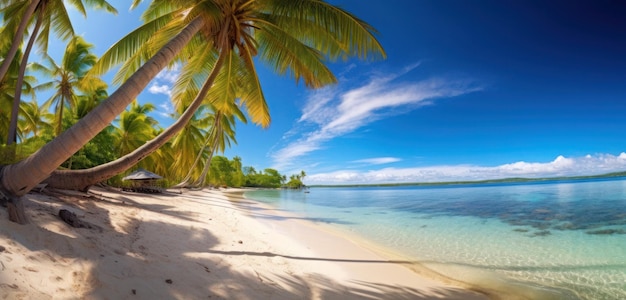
{"points": [[224, 172], [295, 181]]}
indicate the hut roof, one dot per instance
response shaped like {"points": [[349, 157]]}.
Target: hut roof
{"points": [[142, 174]]}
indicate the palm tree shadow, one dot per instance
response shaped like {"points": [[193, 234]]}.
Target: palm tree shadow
{"points": [[158, 260]]}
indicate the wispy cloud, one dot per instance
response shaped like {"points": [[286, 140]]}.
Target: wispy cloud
{"points": [[561, 166], [333, 112], [166, 109], [377, 160], [163, 82], [160, 89]]}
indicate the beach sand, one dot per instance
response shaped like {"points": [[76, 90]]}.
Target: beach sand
{"points": [[193, 245]]}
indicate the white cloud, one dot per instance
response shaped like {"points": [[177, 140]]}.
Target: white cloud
{"points": [[163, 82], [169, 75], [160, 89], [333, 112], [377, 160], [561, 166]]}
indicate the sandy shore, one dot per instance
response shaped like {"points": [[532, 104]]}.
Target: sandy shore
{"points": [[194, 245]]}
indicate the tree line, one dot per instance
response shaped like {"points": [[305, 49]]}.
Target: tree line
{"points": [[230, 173]]}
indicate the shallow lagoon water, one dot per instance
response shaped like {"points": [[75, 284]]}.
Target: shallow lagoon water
{"points": [[558, 240]]}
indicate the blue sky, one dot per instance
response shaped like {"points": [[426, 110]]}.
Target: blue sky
{"points": [[470, 90]]}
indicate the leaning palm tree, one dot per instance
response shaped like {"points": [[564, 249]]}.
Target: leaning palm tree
{"points": [[221, 58], [91, 97], [293, 37]]}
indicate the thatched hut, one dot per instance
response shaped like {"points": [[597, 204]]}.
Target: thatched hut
{"points": [[143, 181]]}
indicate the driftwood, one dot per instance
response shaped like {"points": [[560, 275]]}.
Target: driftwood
{"points": [[71, 219]]}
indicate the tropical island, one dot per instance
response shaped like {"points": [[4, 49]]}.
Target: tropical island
{"points": [[69, 137], [118, 118]]}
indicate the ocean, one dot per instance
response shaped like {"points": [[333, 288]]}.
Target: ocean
{"points": [[547, 240]]}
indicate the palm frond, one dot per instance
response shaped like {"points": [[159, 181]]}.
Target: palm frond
{"points": [[192, 76], [251, 93], [128, 46], [224, 90], [306, 19], [61, 23], [285, 54]]}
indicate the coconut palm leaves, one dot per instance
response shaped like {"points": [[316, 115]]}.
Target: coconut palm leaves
{"points": [[134, 128], [69, 78], [293, 37], [52, 15], [189, 144], [216, 139], [35, 119], [48, 15], [8, 85], [221, 135], [219, 57]]}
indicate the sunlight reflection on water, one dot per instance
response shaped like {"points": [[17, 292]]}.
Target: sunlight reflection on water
{"points": [[566, 235]]}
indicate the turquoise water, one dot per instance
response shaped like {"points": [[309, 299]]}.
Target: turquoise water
{"points": [[556, 240]]}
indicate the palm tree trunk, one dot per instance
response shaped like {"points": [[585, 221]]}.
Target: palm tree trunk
{"points": [[18, 179], [83, 179], [185, 181], [205, 171], [20, 80], [17, 38]]}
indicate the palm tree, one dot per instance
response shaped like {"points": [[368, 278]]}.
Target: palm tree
{"points": [[91, 97], [221, 135], [135, 128], [188, 142], [49, 15], [7, 90], [68, 78], [218, 138], [294, 37], [8, 85], [34, 119], [19, 178], [18, 87], [223, 59]]}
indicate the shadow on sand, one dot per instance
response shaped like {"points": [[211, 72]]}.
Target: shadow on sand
{"points": [[131, 259]]}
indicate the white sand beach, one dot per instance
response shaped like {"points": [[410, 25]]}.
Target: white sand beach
{"points": [[194, 245]]}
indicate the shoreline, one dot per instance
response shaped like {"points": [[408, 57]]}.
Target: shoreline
{"points": [[194, 245], [477, 280], [351, 243]]}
